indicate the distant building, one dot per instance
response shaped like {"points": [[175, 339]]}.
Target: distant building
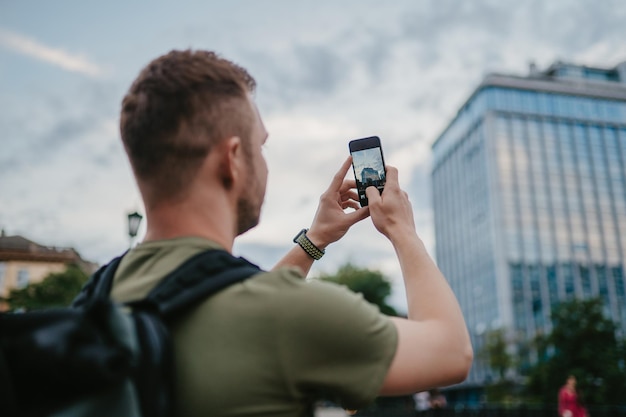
{"points": [[529, 198], [23, 262], [369, 175]]}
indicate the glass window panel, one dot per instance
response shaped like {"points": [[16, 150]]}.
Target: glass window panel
{"points": [[2, 276], [618, 279], [553, 287], [602, 280], [23, 278], [586, 108], [513, 98], [500, 98], [585, 280], [568, 279]]}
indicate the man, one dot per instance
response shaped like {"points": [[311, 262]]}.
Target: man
{"points": [[272, 345]]}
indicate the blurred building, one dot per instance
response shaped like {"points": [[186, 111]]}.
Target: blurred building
{"points": [[529, 195], [369, 174], [23, 262]]}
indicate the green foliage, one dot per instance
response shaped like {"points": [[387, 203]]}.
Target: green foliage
{"points": [[372, 284], [496, 353], [503, 392], [582, 343], [56, 290]]}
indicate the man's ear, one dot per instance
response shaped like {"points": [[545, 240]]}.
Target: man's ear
{"points": [[231, 159]]}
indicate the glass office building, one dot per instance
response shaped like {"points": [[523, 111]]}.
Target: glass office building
{"points": [[529, 195]]}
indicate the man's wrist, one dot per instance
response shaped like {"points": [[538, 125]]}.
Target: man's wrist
{"points": [[405, 238], [308, 245], [316, 239]]}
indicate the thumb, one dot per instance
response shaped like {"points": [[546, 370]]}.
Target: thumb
{"points": [[373, 196]]}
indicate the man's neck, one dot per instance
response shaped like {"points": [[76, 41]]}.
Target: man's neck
{"points": [[179, 220]]}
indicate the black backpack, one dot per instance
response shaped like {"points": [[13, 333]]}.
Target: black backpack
{"points": [[101, 358]]}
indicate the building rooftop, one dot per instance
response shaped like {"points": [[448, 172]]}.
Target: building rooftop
{"points": [[564, 78], [558, 78], [18, 248], [568, 70]]}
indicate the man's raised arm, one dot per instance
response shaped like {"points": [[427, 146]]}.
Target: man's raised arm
{"points": [[434, 348]]}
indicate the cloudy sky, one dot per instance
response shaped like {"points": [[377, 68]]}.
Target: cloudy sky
{"points": [[328, 72]]}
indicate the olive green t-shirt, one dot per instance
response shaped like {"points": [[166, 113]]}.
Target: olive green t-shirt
{"points": [[268, 346]]}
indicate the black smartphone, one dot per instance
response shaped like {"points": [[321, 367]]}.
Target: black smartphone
{"points": [[368, 165]]}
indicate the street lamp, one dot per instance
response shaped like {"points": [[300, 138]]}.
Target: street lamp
{"points": [[134, 220]]}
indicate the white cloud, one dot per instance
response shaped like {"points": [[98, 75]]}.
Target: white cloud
{"points": [[603, 51], [290, 126], [54, 56], [399, 71]]}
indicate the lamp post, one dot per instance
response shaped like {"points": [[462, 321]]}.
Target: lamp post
{"points": [[134, 220]]}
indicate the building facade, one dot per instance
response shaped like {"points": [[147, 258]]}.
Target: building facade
{"points": [[23, 262], [529, 198]]}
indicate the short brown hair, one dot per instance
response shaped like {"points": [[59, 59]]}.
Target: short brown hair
{"points": [[180, 106]]}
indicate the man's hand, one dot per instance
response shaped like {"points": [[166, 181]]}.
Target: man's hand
{"points": [[391, 211], [331, 222]]}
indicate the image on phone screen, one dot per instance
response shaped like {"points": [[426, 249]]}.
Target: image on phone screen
{"points": [[369, 170]]}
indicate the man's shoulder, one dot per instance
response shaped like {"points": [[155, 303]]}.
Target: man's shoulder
{"points": [[144, 266], [314, 299], [295, 287]]}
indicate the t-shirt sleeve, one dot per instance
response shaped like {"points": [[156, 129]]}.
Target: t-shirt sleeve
{"points": [[334, 344]]}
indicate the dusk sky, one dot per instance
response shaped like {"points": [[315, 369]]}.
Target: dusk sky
{"points": [[327, 72]]}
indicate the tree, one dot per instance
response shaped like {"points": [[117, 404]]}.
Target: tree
{"points": [[497, 355], [582, 343], [56, 290], [372, 284]]}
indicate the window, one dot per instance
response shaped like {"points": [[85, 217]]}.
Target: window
{"points": [[601, 272], [553, 286], [618, 280], [3, 268], [23, 278], [568, 278], [585, 280]]}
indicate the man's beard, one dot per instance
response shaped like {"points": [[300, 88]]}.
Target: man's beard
{"points": [[249, 205], [247, 215]]}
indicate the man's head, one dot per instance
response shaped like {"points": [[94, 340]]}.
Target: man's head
{"points": [[182, 106]]}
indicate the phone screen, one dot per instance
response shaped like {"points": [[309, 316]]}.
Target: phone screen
{"points": [[368, 164]]}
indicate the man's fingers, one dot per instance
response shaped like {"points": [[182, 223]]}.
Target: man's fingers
{"points": [[391, 174], [372, 193], [358, 215], [347, 185], [350, 195], [337, 181], [350, 204]]}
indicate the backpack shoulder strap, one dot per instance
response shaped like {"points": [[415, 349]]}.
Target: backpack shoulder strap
{"points": [[99, 284], [197, 278]]}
